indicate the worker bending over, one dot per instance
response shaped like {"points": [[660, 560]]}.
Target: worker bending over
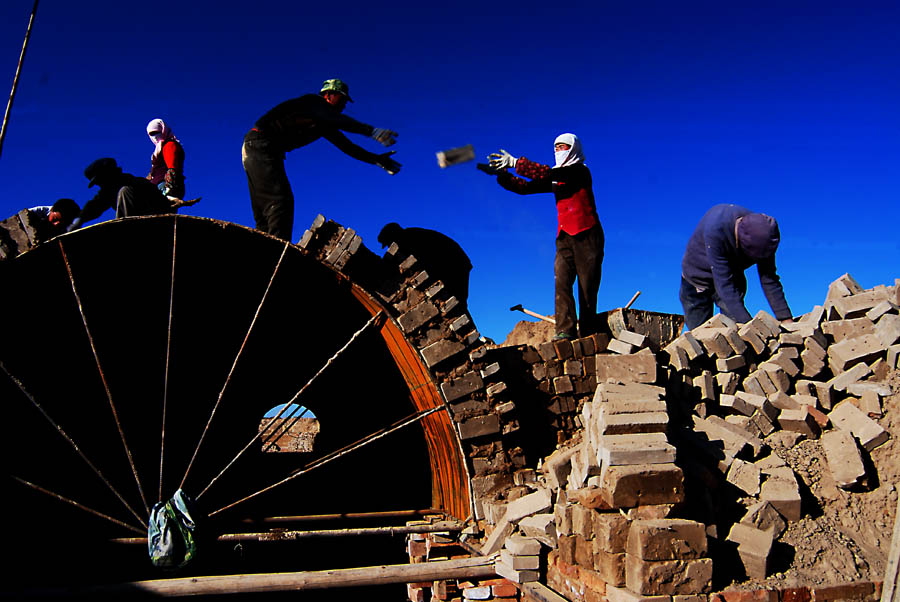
{"points": [[728, 240], [441, 256], [129, 195], [579, 235], [292, 124]]}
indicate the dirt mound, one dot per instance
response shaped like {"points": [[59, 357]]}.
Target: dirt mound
{"points": [[845, 535], [529, 333]]}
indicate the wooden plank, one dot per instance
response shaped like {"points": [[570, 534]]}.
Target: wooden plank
{"points": [[892, 572], [464, 568]]}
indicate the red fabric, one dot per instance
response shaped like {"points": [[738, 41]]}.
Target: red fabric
{"points": [[173, 155], [576, 210]]}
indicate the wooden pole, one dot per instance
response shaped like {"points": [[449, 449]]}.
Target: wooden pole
{"points": [[15, 85], [436, 527], [892, 572], [463, 568]]}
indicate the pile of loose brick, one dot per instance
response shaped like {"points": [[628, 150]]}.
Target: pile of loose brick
{"points": [[605, 502], [819, 377]]}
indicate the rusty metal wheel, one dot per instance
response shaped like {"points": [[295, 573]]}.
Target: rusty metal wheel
{"points": [[141, 355]]}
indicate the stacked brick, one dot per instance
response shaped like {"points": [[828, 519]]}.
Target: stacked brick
{"points": [[816, 378], [603, 504], [436, 323], [19, 233]]}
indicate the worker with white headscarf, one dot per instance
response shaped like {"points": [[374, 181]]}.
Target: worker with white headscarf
{"points": [[167, 160], [579, 235]]}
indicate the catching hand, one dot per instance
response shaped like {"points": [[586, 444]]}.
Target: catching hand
{"points": [[384, 136], [489, 170], [502, 160], [385, 162]]}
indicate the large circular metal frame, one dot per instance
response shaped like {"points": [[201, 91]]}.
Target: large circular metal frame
{"points": [[139, 356]]}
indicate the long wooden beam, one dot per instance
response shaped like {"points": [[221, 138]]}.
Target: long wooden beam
{"points": [[463, 568]]}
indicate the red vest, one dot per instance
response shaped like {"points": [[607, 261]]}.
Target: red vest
{"points": [[577, 212]]}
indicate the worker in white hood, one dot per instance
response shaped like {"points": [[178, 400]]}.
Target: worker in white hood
{"points": [[579, 235]]}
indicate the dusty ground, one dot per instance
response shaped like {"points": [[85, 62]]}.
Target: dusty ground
{"points": [[844, 536], [529, 333]]}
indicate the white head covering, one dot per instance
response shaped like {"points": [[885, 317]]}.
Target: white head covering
{"points": [[165, 134], [573, 155]]}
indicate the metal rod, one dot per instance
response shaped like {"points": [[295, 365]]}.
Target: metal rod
{"points": [[343, 516], [79, 506], [15, 85], [71, 442], [112, 406], [287, 426], [335, 455], [438, 527], [234, 364], [162, 441], [461, 568], [291, 402]]}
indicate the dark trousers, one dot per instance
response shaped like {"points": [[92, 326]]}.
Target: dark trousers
{"points": [[271, 197], [698, 305], [580, 255], [134, 200]]}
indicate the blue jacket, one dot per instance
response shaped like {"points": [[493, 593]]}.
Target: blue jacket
{"points": [[712, 260]]}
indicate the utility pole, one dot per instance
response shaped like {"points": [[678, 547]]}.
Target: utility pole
{"points": [[12, 94]]}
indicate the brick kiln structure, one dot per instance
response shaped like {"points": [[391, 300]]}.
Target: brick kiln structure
{"points": [[582, 469]]}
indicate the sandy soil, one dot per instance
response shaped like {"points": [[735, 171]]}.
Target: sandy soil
{"points": [[529, 333], [844, 536]]}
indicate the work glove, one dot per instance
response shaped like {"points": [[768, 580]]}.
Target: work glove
{"points": [[502, 160], [76, 223], [489, 170], [384, 136], [385, 162]]}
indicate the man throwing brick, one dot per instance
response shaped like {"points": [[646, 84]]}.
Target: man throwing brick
{"points": [[292, 124], [579, 235], [728, 240]]}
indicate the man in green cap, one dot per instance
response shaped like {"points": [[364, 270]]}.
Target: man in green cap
{"points": [[292, 124]]}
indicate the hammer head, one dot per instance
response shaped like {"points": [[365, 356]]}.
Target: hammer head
{"points": [[516, 307]]}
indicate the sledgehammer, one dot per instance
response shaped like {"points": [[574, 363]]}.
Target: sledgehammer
{"points": [[531, 313]]}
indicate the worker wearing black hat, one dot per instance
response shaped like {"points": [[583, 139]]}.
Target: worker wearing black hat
{"points": [[128, 194], [290, 125], [728, 240]]}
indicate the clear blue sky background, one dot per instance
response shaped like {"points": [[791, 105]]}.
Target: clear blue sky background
{"points": [[789, 108]]}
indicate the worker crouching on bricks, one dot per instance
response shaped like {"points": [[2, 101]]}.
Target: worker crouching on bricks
{"points": [[290, 125], [130, 195], [728, 240], [579, 235]]}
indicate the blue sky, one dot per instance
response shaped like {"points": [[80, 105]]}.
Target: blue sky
{"points": [[788, 108]]}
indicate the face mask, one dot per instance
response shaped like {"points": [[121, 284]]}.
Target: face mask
{"points": [[560, 156]]}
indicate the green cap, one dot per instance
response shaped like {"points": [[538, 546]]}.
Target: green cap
{"points": [[336, 85]]}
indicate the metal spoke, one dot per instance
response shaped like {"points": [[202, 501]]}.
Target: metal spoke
{"points": [[375, 318], [71, 442], [234, 364], [162, 440], [337, 454], [112, 406], [79, 506], [278, 431]]}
